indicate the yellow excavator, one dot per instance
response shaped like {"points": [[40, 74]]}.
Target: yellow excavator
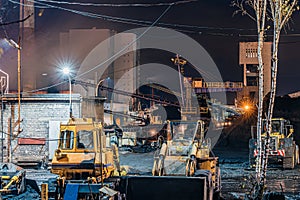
{"points": [[82, 160]]}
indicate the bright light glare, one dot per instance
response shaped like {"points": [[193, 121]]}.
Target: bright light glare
{"points": [[66, 70], [12, 43], [247, 107]]}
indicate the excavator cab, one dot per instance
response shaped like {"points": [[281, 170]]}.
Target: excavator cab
{"points": [[82, 150], [82, 157], [72, 137], [183, 135]]}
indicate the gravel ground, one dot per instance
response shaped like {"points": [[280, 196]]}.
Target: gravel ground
{"points": [[235, 173]]}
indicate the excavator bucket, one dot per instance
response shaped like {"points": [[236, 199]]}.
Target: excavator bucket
{"points": [[165, 187]]}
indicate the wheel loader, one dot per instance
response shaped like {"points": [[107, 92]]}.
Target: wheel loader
{"points": [[283, 148], [186, 153], [82, 160]]}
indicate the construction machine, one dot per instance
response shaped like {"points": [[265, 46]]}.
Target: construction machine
{"points": [[82, 160], [12, 180], [88, 169], [283, 148], [186, 153]]}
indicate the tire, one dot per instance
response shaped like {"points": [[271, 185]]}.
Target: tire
{"points": [[190, 168], [297, 155], [288, 162], [160, 168], [218, 180], [251, 158], [154, 169], [252, 163]]}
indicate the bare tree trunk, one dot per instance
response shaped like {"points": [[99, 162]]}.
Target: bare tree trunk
{"points": [[270, 107], [260, 19], [260, 102], [281, 13]]}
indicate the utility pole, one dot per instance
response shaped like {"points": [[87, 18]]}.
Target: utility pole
{"points": [[19, 84], [17, 46], [4, 84], [26, 32], [2, 135]]}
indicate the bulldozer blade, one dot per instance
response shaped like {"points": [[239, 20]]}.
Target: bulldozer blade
{"points": [[164, 187]]}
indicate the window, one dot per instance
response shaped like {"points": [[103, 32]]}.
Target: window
{"points": [[66, 139], [252, 68], [183, 137], [185, 131], [251, 53], [252, 81], [276, 126], [85, 139], [252, 95]]}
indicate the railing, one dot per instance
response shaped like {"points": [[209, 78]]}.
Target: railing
{"points": [[222, 85], [191, 110]]}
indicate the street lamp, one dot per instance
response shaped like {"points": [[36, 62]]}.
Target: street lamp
{"points": [[17, 46], [100, 84], [66, 71]]}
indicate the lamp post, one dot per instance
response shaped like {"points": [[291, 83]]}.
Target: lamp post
{"points": [[19, 84], [66, 71], [17, 46], [98, 85]]}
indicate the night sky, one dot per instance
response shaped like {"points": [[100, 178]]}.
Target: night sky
{"points": [[218, 31]]}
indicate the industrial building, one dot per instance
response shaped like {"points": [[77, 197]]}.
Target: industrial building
{"points": [[249, 61]]}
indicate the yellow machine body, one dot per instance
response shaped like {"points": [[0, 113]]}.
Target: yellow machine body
{"points": [[187, 153], [282, 146], [82, 152]]}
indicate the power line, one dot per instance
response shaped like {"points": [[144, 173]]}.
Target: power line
{"points": [[180, 27], [283, 35], [116, 54], [45, 88], [119, 5], [122, 20], [125, 93], [38, 139], [127, 46], [15, 22]]}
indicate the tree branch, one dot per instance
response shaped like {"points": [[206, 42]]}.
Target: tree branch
{"points": [[241, 9]]}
